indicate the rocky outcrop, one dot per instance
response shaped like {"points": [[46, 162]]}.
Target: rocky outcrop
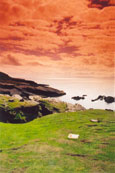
{"points": [[25, 88], [74, 107], [107, 99]]}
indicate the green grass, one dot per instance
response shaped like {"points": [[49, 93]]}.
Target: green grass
{"points": [[42, 146], [4, 102]]}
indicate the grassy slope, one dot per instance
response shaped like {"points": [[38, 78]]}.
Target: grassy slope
{"points": [[41, 146]]}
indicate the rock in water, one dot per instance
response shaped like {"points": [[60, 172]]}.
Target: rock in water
{"points": [[25, 88], [107, 99], [98, 98], [79, 97]]}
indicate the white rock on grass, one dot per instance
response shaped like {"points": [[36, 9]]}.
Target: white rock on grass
{"points": [[73, 136], [95, 121]]}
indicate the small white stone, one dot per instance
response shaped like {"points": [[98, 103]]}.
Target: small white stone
{"points": [[95, 121], [73, 136]]}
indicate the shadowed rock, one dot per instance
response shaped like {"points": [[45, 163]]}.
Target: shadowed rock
{"points": [[26, 88]]}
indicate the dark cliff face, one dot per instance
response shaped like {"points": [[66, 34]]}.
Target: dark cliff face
{"points": [[25, 88]]}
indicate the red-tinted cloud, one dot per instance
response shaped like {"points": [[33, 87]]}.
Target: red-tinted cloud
{"points": [[10, 60], [57, 36]]}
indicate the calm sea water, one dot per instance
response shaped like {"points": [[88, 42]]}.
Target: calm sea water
{"points": [[78, 87]]}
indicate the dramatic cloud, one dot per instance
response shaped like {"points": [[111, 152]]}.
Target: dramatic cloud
{"points": [[54, 38], [101, 3]]}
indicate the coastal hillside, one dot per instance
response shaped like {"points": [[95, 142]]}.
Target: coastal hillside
{"points": [[42, 145], [14, 110]]}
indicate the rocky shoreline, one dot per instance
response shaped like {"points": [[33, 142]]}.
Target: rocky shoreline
{"points": [[14, 110], [22, 100]]}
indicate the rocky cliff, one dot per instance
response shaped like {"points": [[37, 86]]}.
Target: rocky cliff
{"points": [[25, 88]]}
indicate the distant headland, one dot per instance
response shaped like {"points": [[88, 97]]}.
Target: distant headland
{"points": [[25, 88]]}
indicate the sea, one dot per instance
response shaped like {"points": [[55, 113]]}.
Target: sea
{"points": [[84, 86]]}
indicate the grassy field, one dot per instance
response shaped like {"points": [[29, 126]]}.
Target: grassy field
{"points": [[42, 146]]}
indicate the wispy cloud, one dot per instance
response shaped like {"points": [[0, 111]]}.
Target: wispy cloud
{"points": [[10, 60]]}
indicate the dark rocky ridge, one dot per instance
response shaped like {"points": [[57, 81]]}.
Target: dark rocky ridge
{"points": [[26, 88]]}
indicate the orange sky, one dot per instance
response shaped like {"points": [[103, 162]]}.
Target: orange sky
{"points": [[57, 38]]}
